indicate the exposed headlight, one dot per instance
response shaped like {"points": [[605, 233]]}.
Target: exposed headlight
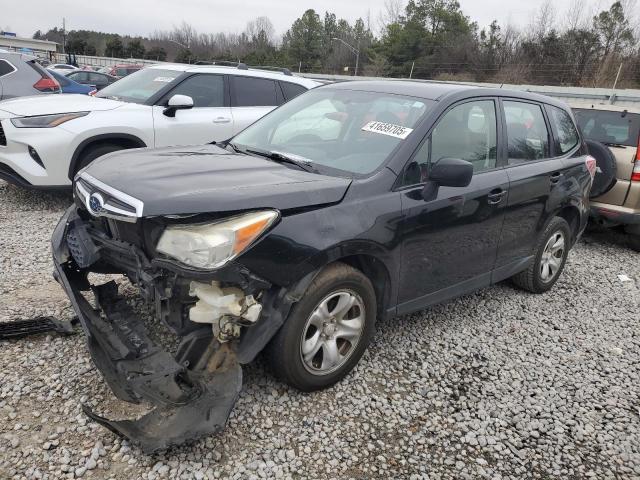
{"points": [[211, 245], [46, 121]]}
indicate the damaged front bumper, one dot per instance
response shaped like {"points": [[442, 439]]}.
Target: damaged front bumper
{"points": [[194, 390]]}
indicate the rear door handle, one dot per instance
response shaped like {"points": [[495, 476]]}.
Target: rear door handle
{"points": [[555, 177], [222, 120], [496, 196]]}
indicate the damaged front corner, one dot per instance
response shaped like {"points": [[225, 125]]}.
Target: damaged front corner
{"points": [[227, 309]]}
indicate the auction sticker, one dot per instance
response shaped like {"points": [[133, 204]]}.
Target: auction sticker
{"points": [[390, 129]]}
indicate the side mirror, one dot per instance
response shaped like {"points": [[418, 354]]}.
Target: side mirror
{"points": [[178, 102], [447, 172], [451, 172]]}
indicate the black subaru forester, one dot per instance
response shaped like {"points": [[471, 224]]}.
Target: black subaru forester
{"points": [[352, 202]]}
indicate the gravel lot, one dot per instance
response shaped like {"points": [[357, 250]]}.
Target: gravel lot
{"points": [[499, 384]]}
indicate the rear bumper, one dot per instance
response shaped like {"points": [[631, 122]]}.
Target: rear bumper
{"points": [[614, 215]]}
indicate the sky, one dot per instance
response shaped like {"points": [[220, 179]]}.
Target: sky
{"points": [[142, 17]]}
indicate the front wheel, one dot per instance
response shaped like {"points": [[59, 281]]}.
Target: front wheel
{"points": [[327, 331], [551, 253]]}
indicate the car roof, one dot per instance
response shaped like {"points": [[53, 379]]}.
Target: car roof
{"points": [[232, 70], [438, 91]]}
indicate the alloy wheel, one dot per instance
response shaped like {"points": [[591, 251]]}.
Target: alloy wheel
{"points": [[552, 257], [332, 332]]}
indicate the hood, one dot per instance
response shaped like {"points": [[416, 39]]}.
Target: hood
{"points": [[50, 104], [189, 180]]}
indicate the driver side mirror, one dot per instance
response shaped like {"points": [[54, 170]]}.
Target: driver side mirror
{"points": [[177, 102], [447, 172]]}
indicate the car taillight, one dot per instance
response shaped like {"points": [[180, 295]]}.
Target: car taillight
{"points": [[635, 174], [47, 85], [93, 92], [590, 162]]}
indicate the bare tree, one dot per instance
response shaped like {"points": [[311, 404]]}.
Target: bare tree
{"points": [[543, 21], [391, 13]]}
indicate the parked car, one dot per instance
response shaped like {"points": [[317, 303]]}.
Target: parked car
{"points": [[62, 67], [157, 106], [123, 69], [353, 202], [22, 75], [69, 86], [613, 133], [99, 80]]}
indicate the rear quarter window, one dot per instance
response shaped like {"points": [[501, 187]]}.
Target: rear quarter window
{"points": [[292, 90], [609, 127], [5, 68], [564, 130]]}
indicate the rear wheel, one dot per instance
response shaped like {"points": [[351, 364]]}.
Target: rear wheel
{"points": [[551, 253], [633, 237], [327, 331]]}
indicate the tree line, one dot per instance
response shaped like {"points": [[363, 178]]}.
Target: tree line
{"points": [[426, 39]]}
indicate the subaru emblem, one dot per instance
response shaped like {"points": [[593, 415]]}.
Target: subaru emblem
{"points": [[96, 203]]}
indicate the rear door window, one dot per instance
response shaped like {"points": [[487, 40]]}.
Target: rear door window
{"points": [[564, 130], [609, 127], [527, 134], [97, 79], [253, 92]]}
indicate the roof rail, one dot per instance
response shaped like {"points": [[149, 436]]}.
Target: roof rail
{"points": [[243, 66], [285, 71]]}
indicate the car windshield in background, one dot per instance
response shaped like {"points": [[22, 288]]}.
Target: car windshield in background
{"points": [[139, 86], [609, 127], [346, 130]]}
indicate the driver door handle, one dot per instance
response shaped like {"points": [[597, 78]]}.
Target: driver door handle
{"points": [[221, 120], [496, 196], [555, 177]]}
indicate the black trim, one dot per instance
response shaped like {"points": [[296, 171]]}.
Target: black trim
{"points": [[99, 138]]}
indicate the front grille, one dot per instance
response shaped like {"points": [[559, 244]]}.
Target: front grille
{"points": [[3, 137], [101, 200]]}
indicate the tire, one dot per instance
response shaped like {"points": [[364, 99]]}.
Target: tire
{"points": [[285, 351], [605, 178], [532, 279], [96, 152], [633, 240]]}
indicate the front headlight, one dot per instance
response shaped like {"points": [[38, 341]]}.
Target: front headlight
{"points": [[46, 121], [211, 245]]}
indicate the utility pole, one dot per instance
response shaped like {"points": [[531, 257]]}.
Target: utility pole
{"points": [[612, 97], [64, 36], [354, 50]]}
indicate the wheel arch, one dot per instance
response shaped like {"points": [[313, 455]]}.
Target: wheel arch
{"points": [[571, 214], [125, 139]]}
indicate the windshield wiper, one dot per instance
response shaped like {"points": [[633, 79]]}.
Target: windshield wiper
{"points": [[283, 158]]}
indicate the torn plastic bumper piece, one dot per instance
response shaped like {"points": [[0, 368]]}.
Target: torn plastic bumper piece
{"points": [[165, 427], [193, 392]]}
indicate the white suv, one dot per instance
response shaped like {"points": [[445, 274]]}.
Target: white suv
{"points": [[45, 140]]}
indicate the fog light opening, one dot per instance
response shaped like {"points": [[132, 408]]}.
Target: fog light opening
{"points": [[35, 156]]}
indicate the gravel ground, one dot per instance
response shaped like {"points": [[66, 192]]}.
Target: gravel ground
{"points": [[499, 384]]}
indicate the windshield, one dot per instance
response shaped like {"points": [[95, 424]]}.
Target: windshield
{"points": [[605, 126], [139, 86], [347, 130]]}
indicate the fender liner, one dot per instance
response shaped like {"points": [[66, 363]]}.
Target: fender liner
{"points": [[98, 138], [276, 306]]}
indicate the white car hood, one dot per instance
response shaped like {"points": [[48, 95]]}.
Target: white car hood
{"points": [[62, 103]]}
